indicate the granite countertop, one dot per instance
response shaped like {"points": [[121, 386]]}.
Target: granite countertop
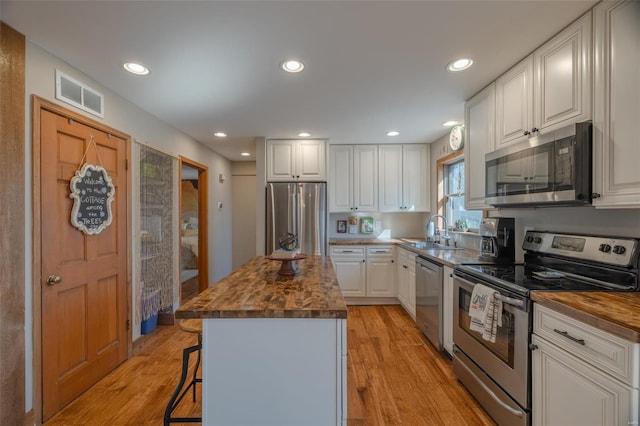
{"points": [[256, 290], [446, 257], [613, 312]]}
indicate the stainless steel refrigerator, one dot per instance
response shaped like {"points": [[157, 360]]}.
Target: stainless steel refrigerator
{"points": [[299, 208]]}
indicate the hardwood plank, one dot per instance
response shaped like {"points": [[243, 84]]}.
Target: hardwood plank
{"points": [[395, 377]]}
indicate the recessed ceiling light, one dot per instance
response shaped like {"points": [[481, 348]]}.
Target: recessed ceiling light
{"points": [[245, 154], [220, 134], [449, 123], [137, 69], [393, 133], [304, 134], [460, 64], [292, 65]]}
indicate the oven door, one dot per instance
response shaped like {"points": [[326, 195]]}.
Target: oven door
{"points": [[506, 361]]}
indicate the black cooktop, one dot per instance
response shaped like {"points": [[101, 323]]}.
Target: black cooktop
{"points": [[523, 278]]}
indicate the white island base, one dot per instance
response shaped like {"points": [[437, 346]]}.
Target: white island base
{"points": [[274, 371]]}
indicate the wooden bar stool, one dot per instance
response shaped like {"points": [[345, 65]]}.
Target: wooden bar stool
{"points": [[190, 326]]}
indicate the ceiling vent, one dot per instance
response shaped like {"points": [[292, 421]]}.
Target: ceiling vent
{"points": [[79, 95]]}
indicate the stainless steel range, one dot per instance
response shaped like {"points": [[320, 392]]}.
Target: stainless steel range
{"points": [[498, 374]]}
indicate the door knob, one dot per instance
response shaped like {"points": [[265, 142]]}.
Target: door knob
{"points": [[54, 279]]}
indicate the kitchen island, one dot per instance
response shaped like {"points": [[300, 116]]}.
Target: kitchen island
{"points": [[273, 347]]}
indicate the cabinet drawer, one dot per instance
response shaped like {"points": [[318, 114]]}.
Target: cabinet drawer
{"points": [[407, 258], [380, 251], [611, 354], [347, 251]]}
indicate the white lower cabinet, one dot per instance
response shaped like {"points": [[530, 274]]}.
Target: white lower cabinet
{"points": [[447, 309], [365, 271], [381, 271], [407, 281], [349, 262], [581, 375]]}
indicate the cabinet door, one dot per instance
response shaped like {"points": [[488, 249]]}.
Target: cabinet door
{"points": [[381, 277], [390, 172], [411, 284], [365, 178], [415, 178], [280, 161], [514, 104], [310, 163], [617, 104], [351, 275], [447, 309], [403, 281], [340, 178], [568, 391], [479, 118], [563, 77]]}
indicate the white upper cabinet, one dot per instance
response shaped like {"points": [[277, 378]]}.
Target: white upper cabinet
{"points": [[563, 77], [390, 186], [404, 178], [415, 178], [353, 178], [514, 104], [479, 118], [296, 160], [549, 89], [617, 104]]}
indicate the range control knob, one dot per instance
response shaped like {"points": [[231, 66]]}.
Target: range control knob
{"points": [[605, 248], [538, 240], [619, 249], [529, 239]]}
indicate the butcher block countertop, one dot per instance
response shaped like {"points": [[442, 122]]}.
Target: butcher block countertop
{"points": [[617, 313], [256, 290]]}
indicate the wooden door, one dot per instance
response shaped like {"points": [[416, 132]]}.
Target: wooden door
{"points": [[84, 316]]}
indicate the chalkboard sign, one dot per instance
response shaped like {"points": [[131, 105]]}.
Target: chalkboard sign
{"points": [[92, 193]]}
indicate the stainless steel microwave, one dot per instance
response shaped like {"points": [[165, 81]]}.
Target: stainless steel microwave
{"points": [[549, 169]]}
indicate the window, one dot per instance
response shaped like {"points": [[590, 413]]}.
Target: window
{"points": [[457, 217]]}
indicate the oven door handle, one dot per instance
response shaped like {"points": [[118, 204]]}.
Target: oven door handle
{"points": [[510, 301], [515, 412]]}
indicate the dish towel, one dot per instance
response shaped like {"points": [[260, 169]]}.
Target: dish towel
{"points": [[485, 311]]}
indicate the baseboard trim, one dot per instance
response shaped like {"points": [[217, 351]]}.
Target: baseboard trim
{"points": [[30, 418]]}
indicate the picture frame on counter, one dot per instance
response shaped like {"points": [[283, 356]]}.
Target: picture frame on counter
{"points": [[342, 226]]}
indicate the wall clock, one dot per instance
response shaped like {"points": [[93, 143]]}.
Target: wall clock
{"points": [[456, 137]]}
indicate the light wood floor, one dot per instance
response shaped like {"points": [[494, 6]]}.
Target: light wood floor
{"points": [[395, 377]]}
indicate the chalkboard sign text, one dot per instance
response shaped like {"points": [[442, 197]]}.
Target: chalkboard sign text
{"points": [[92, 192]]}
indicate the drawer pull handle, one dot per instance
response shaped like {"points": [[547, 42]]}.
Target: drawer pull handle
{"points": [[570, 337], [347, 251]]}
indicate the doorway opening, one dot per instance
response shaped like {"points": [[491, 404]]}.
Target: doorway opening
{"points": [[194, 264]]}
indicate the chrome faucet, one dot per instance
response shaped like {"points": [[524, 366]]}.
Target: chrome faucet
{"points": [[430, 229]]}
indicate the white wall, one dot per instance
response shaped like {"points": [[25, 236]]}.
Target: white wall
{"points": [[141, 126], [392, 225]]}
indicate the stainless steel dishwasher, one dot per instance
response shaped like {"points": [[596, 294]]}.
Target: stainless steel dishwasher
{"points": [[429, 300]]}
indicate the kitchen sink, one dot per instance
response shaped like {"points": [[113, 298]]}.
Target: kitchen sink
{"points": [[430, 245]]}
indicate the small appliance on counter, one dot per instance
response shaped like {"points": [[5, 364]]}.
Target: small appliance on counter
{"points": [[497, 240]]}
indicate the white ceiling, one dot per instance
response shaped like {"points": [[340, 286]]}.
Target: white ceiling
{"points": [[371, 66]]}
